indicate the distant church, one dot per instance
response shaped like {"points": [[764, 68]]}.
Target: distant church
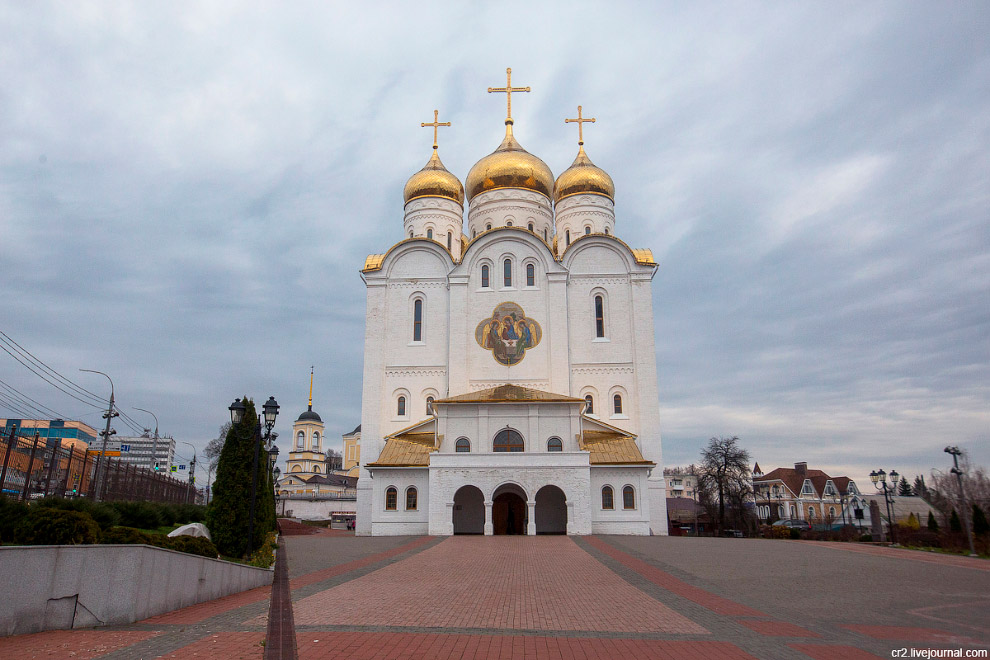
{"points": [[510, 381]]}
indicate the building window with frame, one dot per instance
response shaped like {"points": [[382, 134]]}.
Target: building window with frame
{"points": [[530, 275], [509, 223], [401, 407], [546, 237], [429, 234], [300, 440], [617, 404], [606, 231], [429, 405], [554, 444], [811, 512], [410, 233], [411, 498], [450, 240], [531, 226], [508, 440], [607, 498], [485, 279], [391, 498], [316, 440], [462, 446], [418, 319], [488, 226], [589, 404], [507, 273], [600, 317], [628, 498], [567, 235], [587, 230]]}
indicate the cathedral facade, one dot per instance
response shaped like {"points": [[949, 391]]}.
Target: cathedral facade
{"points": [[510, 381]]}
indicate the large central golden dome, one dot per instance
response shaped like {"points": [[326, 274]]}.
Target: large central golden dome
{"points": [[509, 166], [434, 180]]}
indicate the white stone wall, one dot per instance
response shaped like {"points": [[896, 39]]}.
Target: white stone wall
{"points": [[581, 214], [619, 520], [400, 521], [436, 214], [510, 207]]}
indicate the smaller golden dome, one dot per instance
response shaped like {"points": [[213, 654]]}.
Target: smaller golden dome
{"points": [[434, 181], [583, 177], [509, 166]]}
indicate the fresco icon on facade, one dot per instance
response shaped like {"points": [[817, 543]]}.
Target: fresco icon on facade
{"points": [[508, 333]]}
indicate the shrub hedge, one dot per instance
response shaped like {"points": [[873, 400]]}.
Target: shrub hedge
{"points": [[50, 526]]}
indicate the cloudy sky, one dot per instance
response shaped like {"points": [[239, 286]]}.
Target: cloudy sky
{"points": [[188, 190]]}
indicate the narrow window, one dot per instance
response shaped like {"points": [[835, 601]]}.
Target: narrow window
{"points": [[418, 320], [607, 498], [599, 316], [545, 236], [429, 405], [450, 240], [530, 275], [488, 226], [429, 233], [628, 498], [485, 283], [391, 498], [587, 230], [509, 223], [507, 273], [462, 446], [617, 404], [606, 231], [811, 512], [508, 440], [410, 233], [401, 410], [411, 499], [316, 440], [589, 405], [474, 234], [831, 512], [554, 444], [567, 234], [300, 438], [531, 226]]}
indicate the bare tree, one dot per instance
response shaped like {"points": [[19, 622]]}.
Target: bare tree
{"points": [[723, 477], [215, 446], [335, 460]]}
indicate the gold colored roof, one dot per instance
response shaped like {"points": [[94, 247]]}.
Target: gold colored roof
{"points": [[507, 394], [509, 166], [644, 256], [434, 181], [413, 452], [583, 177], [373, 262], [611, 448]]}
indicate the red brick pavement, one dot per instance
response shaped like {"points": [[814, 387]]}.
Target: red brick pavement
{"points": [[833, 652], [531, 583], [777, 628], [412, 646], [75, 644], [340, 569], [956, 561], [225, 645], [911, 634]]}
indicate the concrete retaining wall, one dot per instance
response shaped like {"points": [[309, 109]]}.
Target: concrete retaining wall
{"points": [[315, 508], [57, 587]]}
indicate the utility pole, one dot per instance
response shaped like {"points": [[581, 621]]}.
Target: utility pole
{"points": [[967, 518], [192, 469], [108, 415], [154, 442]]}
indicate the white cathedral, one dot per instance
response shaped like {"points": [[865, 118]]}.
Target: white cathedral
{"points": [[510, 381]]}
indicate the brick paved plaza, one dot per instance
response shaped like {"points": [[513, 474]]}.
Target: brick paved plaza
{"points": [[573, 597]]}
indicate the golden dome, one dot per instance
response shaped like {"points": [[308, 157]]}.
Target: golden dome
{"points": [[509, 166], [583, 177], [434, 181]]}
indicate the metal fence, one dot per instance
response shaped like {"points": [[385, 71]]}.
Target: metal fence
{"points": [[34, 467]]}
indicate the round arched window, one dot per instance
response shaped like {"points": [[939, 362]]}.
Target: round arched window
{"points": [[508, 440], [554, 444], [462, 446]]}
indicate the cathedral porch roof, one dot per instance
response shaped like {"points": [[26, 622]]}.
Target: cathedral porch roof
{"points": [[610, 448], [509, 393], [412, 450]]}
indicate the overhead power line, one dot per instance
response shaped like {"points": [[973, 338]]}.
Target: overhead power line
{"points": [[22, 396]]}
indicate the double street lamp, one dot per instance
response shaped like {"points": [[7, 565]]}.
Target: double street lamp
{"points": [[270, 409], [956, 452], [879, 479]]}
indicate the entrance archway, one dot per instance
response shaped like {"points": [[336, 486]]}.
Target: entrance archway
{"points": [[509, 511], [469, 511], [551, 511]]}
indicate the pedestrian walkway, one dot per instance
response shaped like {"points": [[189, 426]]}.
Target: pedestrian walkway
{"points": [[559, 597]]}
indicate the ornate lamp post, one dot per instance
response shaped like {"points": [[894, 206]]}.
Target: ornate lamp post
{"points": [[879, 479], [270, 410], [967, 518]]}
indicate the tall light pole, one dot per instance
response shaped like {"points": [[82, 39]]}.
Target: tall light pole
{"points": [[154, 442], [192, 468], [108, 415], [967, 519], [881, 477]]}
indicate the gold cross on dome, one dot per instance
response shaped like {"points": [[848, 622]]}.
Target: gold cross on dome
{"points": [[580, 122], [436, 125], [508, 89]]}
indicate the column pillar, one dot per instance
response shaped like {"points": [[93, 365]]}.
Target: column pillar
{"points": [[570, 517], [489, 527], [449, 525], [531, 527]]}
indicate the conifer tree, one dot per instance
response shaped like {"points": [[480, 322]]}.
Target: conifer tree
{"points": [[980, 525], [904, 488], [932, 523], [227, 515], [954, 524]]}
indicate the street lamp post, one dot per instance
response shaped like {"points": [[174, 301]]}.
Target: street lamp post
{"points": [[154, 442], [270, 410], [192, 470], [108, 415], [967, 518], [881, 477]]}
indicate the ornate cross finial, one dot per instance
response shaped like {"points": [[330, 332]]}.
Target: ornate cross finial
{"points": [[508, 89], [435, 124], [580, 122]]}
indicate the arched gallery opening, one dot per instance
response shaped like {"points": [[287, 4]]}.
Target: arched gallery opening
{"points": [[509, 511], [469, 511], [551, 511]]}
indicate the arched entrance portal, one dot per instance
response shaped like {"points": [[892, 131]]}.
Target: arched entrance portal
{"points": [[509, 510], [551, 511], [469, 511]]}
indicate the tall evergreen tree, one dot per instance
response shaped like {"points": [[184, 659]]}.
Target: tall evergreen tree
{"points": [[932, 523], [904, 488], [920, 488], [954, 524], [980, 525]]}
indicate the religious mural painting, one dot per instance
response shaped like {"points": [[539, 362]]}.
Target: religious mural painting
{"points": [[508, 333]]}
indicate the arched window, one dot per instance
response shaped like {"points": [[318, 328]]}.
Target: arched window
{"points": [[607, 502], [599, 316], [410, 233], [780, 510], [546, 236], [589, 404], [567, 235], [488, 226], [628, 498], [811, 512], [554, 444], [450, 240], [462, 446], [297, 468], [587, 230], [507, 273], [474, 234], [418, 320], [391, 498], [617, 404], [831, 512], [508, 440], [509, 223], [530, 275], [793, 512], [316, 440], [485, 281], [531, 226], [429, 405], [401, 409], [606, 231], [300, 439], [316, 469], [411, 499], [429, 233]]}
